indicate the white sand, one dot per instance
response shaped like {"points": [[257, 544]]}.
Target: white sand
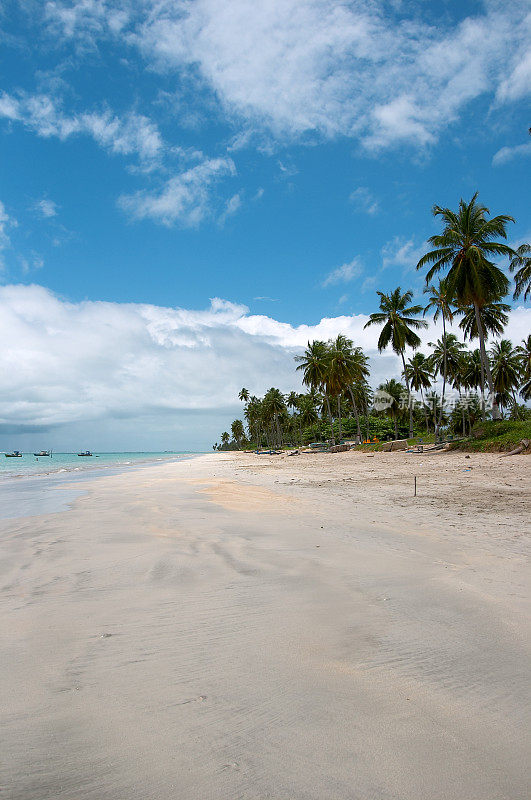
{"points": [[270, 627]]}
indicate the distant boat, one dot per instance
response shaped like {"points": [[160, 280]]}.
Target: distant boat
{"points": [[14, 454], [43, 453], [85, 454]]}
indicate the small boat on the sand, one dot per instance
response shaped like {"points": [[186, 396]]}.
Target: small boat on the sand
{"points": [[14, 454], [43, 453], [86, 454]]}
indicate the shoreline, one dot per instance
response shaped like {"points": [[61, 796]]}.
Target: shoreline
{"points": [[242, 626]]}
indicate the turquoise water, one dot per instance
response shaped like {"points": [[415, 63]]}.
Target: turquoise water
{"points": [[70, 462]]}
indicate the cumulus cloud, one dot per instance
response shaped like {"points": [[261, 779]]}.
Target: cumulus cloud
{"points": [[184, 198], [345, 273], [356, 69], [117, 363], [132, 134]]}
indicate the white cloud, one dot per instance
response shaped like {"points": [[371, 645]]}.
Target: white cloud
{"points": [[185, 198], [117, 364], [47, 208], [345, 273], [364, 200], [132, 134], [5, 223], [402, 252], [232, 205], [506, 154]]}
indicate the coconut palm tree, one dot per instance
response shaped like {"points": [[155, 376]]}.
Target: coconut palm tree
{"points": [[307, 411], [238, 431], [524, 358], [505, 372], [395, 390], [225, 438], [420, 375], [493, 318], [243, 395], [399, 322], [348, 364], [465, 248], [521, 261], [316, 374], [440, 303], [275, 406]]}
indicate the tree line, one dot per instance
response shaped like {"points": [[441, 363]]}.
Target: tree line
{"points": [[462, 280]]}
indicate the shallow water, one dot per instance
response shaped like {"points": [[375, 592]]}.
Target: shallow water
{"points": [[50, 490], [29, 464]]}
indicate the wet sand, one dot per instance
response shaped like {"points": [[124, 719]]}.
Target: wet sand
{"points": [[269, 627]]}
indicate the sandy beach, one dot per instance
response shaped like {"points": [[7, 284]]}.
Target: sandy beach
{"points": [[293, 628]]}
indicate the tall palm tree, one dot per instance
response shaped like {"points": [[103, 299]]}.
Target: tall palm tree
{"points": [[440, 303], [419, 373], [399, 322], [315, 366], [505, 372], [243, 395], [274, 406], [225, 438], [238, 431], [394, 410], [467, 243], [524, 358], [348, 364], [307, 411], [493, 318], [521, 261]]}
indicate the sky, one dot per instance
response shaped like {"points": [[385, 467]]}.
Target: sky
{"points": [[190, 191]]}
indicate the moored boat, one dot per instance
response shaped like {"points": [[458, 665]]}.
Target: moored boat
{"points": [[14, 454], [43, 453], [86, 454]]}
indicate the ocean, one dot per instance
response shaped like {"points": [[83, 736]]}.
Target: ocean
{"points": [[71, 462]]}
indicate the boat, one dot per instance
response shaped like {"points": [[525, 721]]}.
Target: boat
{"points": [[14, 454], [43, 453], [86, 454]]}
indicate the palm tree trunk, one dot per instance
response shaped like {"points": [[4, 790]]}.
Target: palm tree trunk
{"points": [[354, 406], [445, 367], [425, 411], [339, 415], [329, 416], [408, 397], [395, 419], [485, 367]]}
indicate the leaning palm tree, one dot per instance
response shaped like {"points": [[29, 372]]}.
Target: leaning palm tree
{"points": [[465, 247], [505, 372], [440, 303], [399, 322], [521, 261], [315, 364], [419, 373]]}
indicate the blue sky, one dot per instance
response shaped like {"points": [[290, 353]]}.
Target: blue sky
{"points": [[283, 157]]}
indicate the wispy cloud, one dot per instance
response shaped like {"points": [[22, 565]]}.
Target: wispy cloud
{"points": [[46, 208], [363, 200], [132, 134], [402, 252], [6, 222], [232, 205], [345, 273], [506, 154], [185, 198]]}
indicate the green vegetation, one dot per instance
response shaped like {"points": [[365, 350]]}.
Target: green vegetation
{"points": [[478, 384]]}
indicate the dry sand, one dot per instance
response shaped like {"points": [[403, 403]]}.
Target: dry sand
{"points": [[243, 627]]}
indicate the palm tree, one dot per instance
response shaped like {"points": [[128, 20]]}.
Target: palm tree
{"points": [[465, 247], [274, 406], [505, 372], [398, 318], [524, 357], [441, 305], [238, 431], [419, 373], [225, 438], [243, 395], [348, 365], [307, 411], [395, 390], [522, 262], [493, 318], [315, 365]]}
